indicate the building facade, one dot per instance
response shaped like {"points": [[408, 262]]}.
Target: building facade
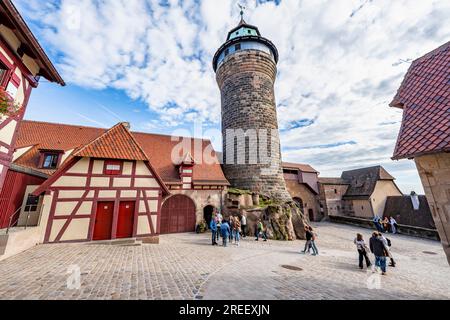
{"points": [[246, 68], [22, 63], [111, 184], [302, 182], [358, 193], [424, 136]]}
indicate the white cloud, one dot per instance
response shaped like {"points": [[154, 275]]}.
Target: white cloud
{"points": [[339, 62]]}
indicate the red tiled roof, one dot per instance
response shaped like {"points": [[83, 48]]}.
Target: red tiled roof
{"points": [[116, 143], [299, 166], [158, 149], [425, 97]]}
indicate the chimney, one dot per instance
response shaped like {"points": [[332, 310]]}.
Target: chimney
{"points": [[415, 200]]}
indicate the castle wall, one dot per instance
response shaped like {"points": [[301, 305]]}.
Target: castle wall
{"points": [[434, 171]]}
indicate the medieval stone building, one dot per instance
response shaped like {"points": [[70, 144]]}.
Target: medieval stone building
{"points": [[424, 136], [358, 193]]}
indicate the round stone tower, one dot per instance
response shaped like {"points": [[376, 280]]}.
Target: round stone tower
{"points": [[246, 69]]}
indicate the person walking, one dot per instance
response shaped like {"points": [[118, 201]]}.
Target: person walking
{"points": [[260, 231], [225, 231], [313, 242], [213, 227], [387, 245], [362, 250], [394, 225], [244, 225], [219, 219], [232, 222], [309, 237], [379, 251], [237, 231]]}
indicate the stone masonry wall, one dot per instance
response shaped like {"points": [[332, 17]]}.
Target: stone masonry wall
{"points": [[246, 81], [434, 171]]}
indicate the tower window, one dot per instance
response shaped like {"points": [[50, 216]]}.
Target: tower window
{"points": [[249, 31], [227, 51], [237, 47]]}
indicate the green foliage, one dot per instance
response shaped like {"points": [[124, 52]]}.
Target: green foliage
{"points": [[7, 104], [238, 191]]}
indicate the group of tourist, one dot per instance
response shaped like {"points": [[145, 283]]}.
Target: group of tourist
{"points": [[232, 229], [379, 245], [386, 224]]}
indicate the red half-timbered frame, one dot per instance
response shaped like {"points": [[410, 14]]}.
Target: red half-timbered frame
{"points": [[6, 158], [142, 195]]}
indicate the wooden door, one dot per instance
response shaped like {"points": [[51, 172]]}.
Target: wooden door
{"points": [[125, 220], [178, 215], [103, 221]]}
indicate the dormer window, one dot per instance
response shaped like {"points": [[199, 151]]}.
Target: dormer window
{"points": [[50, 160], [113, 168]]}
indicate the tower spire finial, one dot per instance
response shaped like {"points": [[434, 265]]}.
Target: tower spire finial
{"points": [[242, 12]]}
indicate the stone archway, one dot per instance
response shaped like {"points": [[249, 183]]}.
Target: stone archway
{"points": [[178, 215], [208, 213]]}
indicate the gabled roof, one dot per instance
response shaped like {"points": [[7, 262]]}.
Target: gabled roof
{"points": [[116, 143], [402, 210], [425, 97], [158, 149], [299, 166], [363, 181], [30, 45]]}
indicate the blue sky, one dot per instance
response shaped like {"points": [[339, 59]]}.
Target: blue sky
{"points": [[149, 62]]}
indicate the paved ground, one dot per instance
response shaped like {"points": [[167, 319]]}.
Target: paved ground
{"points": [[186, 267]]}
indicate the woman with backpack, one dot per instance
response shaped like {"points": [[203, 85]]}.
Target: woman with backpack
{"points": [[362, 250], [387, 245]]}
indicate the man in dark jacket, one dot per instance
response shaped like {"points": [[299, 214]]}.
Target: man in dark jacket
{"points": [[379, 251]]}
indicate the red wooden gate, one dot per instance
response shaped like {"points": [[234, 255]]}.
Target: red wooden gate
{"points": [[178, 215], [125, 220], [103, 221]]}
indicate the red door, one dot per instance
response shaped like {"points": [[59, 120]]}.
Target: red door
{"points": [[125, 221], [103, 221], [178, 215]]}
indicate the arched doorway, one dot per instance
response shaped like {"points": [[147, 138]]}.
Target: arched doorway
{"points": [[208, 214], [299, 202], [178, 215]]}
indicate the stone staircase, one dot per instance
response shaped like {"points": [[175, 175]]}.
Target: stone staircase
{"points": [[118, 242]]}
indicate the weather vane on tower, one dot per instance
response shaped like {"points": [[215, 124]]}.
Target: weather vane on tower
{"points": [[242, 11]]}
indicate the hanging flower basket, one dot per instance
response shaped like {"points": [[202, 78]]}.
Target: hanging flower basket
{"points": [[7, 104]]}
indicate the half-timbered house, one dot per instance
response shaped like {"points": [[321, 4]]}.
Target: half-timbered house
{"points": [[112, 184]]}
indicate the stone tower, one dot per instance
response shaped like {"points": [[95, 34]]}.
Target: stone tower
{"points": [[246, 69]]}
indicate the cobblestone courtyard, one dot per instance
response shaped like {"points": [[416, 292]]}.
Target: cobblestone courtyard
{"points": [[185, 266]]}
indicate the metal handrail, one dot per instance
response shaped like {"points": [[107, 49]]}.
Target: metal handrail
{"points": [[10, 219], [19, 210]]}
